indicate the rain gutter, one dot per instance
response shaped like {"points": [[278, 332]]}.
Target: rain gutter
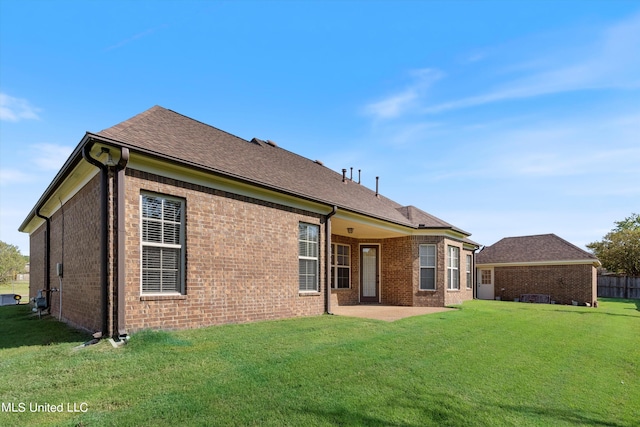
{"points": [[47, 255], [104, 235], [119, 300], [327, 226]]}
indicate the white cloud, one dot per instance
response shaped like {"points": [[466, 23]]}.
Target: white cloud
{"points": [[13, 176], [16, 109], [49, 157], [397, 104], [392, 106], [135, 37], [612, 62]]}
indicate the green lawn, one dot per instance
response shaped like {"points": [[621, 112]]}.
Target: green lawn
{"points": [[20, 288], [489, 363]]}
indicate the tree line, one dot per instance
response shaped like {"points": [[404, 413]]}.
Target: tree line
{"points": [[12, 262]]}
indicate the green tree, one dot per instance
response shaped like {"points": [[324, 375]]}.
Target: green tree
{"points": [[619, 250], [11, 262]]}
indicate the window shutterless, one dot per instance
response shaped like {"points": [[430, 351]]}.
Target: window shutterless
{"points": [[453, 267], [427, 267], [341, 266], [308, 244], [162, 244]]}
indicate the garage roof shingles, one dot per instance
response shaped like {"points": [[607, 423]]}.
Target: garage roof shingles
{"points": [[539, 248]]}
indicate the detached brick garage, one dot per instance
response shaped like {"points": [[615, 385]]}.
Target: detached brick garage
{"points": [[165, 222], [537, 265]]}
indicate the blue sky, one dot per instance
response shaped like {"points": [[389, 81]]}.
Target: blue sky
{"points": [[503, 118]]}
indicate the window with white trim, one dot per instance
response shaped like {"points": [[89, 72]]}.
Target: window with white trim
{"points": [[453, 267], [340, 266], [308, 243], [469, 276], [162, 244], [427, 267]]}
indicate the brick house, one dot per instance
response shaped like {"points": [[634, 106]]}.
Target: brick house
{"points": [[542, 264], [165, 222]]}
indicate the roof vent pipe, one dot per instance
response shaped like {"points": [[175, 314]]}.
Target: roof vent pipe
{"points": [[377, 194], [359, 175], [351, 177], [344, 175]]}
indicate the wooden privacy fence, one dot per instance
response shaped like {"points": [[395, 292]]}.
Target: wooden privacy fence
{"points": [[619, 287]]}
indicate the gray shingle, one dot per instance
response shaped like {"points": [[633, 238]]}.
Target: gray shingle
{"points": [[168, 134], [539, 248]]}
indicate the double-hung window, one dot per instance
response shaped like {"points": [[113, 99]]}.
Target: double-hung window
{"points": [[427, 267], [341, 266], [308, 243], [162, 242], [453, 267]]}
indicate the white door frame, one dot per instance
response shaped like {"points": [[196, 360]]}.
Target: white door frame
{"points": [[360, 245], [485, 291]]}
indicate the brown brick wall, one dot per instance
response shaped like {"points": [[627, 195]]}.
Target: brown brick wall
{"points": [[441, 296], [400, 272], [465, 293], [565, 283], [397, 271], [75, 242], [349, 296], [241, 259], [429, 298], [37, 260]]}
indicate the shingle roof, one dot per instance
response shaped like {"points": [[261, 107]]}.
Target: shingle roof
{"points": [[539, 248], [167, 134], [421, 218]]}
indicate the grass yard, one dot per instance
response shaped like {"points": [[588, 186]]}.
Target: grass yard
{"points": [[489, 363], [20, 288]]}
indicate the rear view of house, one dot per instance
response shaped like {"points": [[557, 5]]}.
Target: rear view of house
{"points": [[543, 265], [165, 222]]}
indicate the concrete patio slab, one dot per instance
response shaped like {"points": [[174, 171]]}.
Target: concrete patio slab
{"points": [[388, 313]]}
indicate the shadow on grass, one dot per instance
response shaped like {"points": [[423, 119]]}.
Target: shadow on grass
{"points": [[444, 410], [598, 313], [561, 415], [20, 327]]}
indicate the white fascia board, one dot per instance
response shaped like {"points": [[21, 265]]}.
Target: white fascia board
{"points": [[72, 184]]}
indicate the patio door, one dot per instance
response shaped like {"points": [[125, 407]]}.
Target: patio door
{"points": [[485, 283], [369, 273]]}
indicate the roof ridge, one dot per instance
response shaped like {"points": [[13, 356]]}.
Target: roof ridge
{"points": [[176, 136], [262, 142], [201, 122]]}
